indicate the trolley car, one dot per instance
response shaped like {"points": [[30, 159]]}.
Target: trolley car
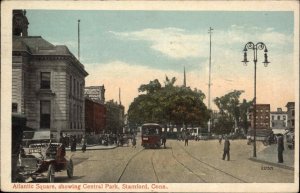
{"points": [[151, 135]]}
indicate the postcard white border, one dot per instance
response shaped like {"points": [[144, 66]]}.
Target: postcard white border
{"points": [[6, 73]]}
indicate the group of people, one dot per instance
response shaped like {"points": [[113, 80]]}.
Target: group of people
{"points": [[72, 142]]}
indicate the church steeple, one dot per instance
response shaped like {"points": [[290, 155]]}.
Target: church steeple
{"points": [[184, 77], [20, 23]]}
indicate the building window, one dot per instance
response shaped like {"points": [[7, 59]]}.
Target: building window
{"points": [[278, 117], [284, 117], [273, 124], [45, 111], [284, 125], [267, 117], [293, 123], [272, 117], [14, 107], [293, 112], [45, 80], [70, 90], [73, 88]]}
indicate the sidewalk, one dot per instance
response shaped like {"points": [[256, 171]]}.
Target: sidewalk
{"points": [[94, 147], [269, 156]]}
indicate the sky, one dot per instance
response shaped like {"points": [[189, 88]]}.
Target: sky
{"points": [[124, 49]]}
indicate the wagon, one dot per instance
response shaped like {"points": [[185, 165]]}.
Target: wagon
{"points": [[42, 160]]}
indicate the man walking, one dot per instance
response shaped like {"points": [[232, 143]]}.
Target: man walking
{"points": [[186, 139], [133, 141], [226, 149], [280, 148]]}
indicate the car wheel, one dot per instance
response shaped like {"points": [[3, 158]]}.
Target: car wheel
{"points": [[51, 173], [70, 169]]}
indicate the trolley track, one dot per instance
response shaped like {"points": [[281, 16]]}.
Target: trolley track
{"points": [[156, 177], [119, 179], [134, 156], [187, 167], [211, 166]]}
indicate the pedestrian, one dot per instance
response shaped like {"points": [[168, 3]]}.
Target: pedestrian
{"points": [[133, 141], [280, 148], [164, 140], [73, 143], [220, 139], [226, 149], [186, 140], [83, 143]]}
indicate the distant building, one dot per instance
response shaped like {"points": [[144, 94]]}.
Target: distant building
{"points": [[114, 117], [96, 93], [47, 82], [95, 116], [278, 119], [262, 116], [291, 115]]}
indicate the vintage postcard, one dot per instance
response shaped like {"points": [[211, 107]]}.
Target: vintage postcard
{"points": [[150, 96]]}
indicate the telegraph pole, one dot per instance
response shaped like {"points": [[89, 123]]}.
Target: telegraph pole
{"points": [[209, 80]]}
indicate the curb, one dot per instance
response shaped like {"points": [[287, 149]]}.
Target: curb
{"points": [[87, 148], [273, 164]]}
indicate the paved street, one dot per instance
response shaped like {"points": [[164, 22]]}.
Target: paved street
{"points": [[200, 162]]}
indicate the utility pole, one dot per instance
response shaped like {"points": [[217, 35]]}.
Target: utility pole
{"points": [[209, 80], [79, 39], [120, 96], [184, 77]]}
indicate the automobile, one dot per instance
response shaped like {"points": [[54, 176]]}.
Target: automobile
{"points": [[42, 160]]}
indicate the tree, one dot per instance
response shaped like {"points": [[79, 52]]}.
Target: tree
{"points": [[168, 105], [152, 87], [232, 111], [244, 108]]}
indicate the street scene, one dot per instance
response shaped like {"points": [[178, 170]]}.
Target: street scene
{"points": [[200, 162], [123, 98]]}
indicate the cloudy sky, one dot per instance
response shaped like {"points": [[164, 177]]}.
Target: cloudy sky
{"points": [[124, 49]]}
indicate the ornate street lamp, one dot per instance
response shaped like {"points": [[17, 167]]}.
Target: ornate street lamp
{"points": [[255, 47]]}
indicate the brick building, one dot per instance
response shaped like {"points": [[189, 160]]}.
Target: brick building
{"points": [[47, 82], [262, 116], [95, 116]]}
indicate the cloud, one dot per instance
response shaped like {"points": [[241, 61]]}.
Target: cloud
{"points": [[172, 42], [179, 43], [227, 53]]}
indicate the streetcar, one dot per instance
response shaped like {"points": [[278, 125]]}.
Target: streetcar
{"points": [[151, 135]]}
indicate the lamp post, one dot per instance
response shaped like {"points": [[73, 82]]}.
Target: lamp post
{"points": [[255, 47]]}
